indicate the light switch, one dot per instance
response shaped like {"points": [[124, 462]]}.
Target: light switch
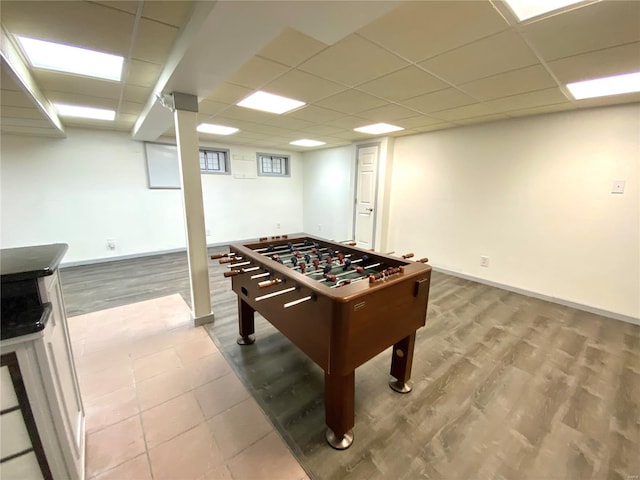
{"points": [[618, 186]]}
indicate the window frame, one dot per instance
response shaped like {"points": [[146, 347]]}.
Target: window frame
{"points": [[226, 161], [286, 160]]}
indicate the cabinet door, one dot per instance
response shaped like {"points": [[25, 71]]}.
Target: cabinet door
{"points": [[61, 375]]}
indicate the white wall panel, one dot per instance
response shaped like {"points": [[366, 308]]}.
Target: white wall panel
{"points": [[92, 186], [534, 195]]}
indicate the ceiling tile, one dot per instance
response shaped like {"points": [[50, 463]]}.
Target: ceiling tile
{"points": [[207, 107], [21, 112], [82, 24], [153, 41], [32, 131], [352, 135], [510, 83], [351, 101], [247, 114], [136, 94], [350, 122], [229, 93], [387, 113], [130, 108], [548, 96], [303, 86], [257, 72], [592, 27], [351, 61], [229, 122], [292, 47], [78, 99], [434, 126], [172, 13], [265, 129], [321, 130], [468, 111], [7, 80], [313, 113], [420, 121], [402, 84], [420, 30], [440, 100], [142, 73], [545, 109], [492, 55], [62, 82], [130, 6], [482, 119], [88, 123], [291, 123], [26, 122], [601, 63]]}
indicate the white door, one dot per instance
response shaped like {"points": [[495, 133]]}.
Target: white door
{"points": [[366, 196]]}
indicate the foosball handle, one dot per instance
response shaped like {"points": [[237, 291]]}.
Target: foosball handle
{"points": [[216, 256], [407, 255], [423, 260], [269, 283], [232, 273], [226, 260]]}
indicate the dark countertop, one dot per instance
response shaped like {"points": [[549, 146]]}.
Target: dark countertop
{"points": [[30, 262], [22, 311], [31, 320]]}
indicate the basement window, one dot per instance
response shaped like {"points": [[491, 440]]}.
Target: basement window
{"points": [[271, 165], [214, 161]]}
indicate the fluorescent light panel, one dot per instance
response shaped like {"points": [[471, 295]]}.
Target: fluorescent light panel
{"points": [[268, 102], [602, 87], [84, 112], [526, 9], [64, 58], [378, 128], [305, 142], [216, 129]]}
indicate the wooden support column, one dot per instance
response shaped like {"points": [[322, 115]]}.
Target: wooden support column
{"points": [[186, 119]]}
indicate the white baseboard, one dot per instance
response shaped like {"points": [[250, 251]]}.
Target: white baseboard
{"points": [[92, 261], [541, 296]]}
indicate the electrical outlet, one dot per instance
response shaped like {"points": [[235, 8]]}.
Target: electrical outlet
{"points": [[484, 261], [319, 227], [618, 186], [111, 244], [277, 226], [208, 233]]}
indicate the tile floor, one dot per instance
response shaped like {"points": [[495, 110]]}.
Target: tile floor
{"points": [[161, 402]]}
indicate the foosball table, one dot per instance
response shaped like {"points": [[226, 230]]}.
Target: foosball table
{"points": [[341, 305]]}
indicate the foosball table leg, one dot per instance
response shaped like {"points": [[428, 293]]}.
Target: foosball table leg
{"points": [[246, 324], [401, 362], [339, 404]]}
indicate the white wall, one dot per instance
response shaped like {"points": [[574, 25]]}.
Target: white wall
{"points": [[534, 195], [92, 186], [328, 192]]}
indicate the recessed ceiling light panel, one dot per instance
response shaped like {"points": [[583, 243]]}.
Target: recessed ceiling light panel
{"points": [[84, 112], [526, 9], [216, 129], [268, 102], [602, 87], [64, 58], [378, 128], [304, 142]]}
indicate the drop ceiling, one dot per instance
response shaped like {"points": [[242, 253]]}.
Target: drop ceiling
{"points": [[422, 65]]}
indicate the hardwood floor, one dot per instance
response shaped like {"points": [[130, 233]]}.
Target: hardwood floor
{"points": [[505, 386]]}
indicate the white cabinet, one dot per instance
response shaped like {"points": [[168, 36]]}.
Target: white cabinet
{"points": [[47, 370]]}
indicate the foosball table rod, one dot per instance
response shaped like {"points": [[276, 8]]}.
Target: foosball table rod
{"points": [[275, 294]]}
